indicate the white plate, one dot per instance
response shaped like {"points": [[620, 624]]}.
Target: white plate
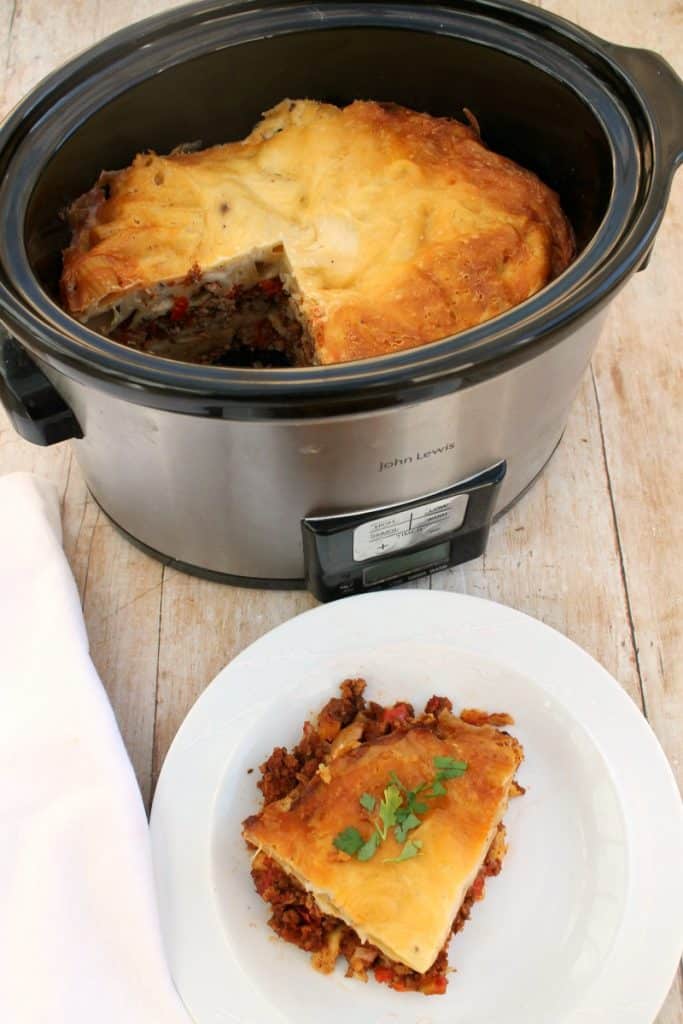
{"points": [[585, 923]]}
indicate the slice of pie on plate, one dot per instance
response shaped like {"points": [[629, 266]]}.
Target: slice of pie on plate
{"points": [[403, 908]]}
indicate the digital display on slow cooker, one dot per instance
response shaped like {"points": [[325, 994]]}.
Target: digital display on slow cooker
{"points": [[391, 568], [346, 553]]}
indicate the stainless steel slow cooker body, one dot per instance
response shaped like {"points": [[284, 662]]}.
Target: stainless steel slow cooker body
{"points": [[215, 469]]}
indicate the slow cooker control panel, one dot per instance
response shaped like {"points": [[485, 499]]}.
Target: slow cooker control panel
{"points": [[362, 551]]}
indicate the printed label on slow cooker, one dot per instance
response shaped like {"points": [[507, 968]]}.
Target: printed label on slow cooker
{"points": [[408, 529]]}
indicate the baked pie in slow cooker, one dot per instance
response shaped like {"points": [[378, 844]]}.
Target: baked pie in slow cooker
{"points": [[326, 235], [379, 830]]}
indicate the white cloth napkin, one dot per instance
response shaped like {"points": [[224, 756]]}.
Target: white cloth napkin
{"points": [[79, 933]]}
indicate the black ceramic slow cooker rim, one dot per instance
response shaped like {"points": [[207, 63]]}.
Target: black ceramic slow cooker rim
{"points": [[441, 367]]}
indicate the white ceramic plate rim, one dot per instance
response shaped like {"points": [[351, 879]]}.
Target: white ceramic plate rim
{"points": [[645, 954]]}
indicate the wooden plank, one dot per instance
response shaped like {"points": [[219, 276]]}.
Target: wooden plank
{"points": [[112, 17], [79, 518], [39, 37], [203, 626], [639, 380], [639, 385], [8, 10], [42, 37], [122, 601], [639, 392], [672, 1010], [654, 26], [554, 555]]}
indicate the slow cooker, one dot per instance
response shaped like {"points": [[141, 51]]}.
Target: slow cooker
{"points": [[349, 477]]}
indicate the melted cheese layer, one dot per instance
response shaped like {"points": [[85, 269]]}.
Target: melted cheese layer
{"points": [[399, 228]]}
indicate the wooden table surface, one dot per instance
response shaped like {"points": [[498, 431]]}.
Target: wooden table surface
{"points": [[594, 549]]}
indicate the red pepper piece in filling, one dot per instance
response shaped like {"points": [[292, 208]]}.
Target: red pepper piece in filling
{"points": [[180, 307], [430, 985], [435, 986], [399, 713], [271, 285], [387, 977]]}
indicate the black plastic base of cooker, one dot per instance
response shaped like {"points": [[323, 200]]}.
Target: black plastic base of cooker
{"points": [[259, 583]]}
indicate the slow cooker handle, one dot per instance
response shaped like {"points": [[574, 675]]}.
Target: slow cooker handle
{"points": [[37, 411], [663, 91]]}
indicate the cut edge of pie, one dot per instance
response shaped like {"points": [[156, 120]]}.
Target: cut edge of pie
{"points": [[247, 310]]}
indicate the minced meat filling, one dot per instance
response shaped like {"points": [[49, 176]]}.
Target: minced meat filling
{"points": [[284, 769], [218, 326], [296, 916]]}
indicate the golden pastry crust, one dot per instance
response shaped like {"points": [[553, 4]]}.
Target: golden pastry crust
{"points": [[399, 228], [405, 909]]}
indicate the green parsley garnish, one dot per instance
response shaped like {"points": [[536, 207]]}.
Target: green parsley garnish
{"points": [[350, 840], [369, 849], [399, 808], [412, 804], [406, 824], [411, 849], [390, 803], [446, 768], [449, 768], [368, 802]]}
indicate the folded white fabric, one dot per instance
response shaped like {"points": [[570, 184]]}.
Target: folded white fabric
{"points": [[79, 933]]}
